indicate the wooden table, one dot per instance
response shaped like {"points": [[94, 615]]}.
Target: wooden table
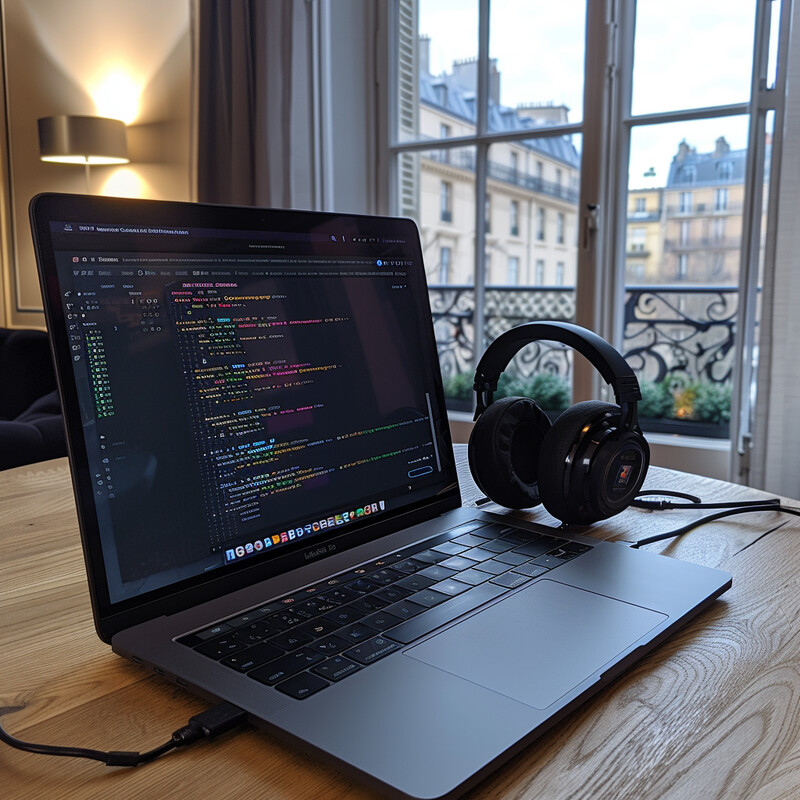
{"points": [[713, 713]]}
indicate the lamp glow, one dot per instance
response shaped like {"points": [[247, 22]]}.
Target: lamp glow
{"points": [[117, 97]]}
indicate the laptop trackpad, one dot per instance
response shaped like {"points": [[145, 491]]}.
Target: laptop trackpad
{"points": [[536, 645]]}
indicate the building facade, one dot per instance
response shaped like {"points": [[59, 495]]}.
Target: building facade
{"points": [[532, 187], [689, 231]]}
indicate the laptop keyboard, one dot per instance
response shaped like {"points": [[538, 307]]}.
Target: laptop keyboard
{"points": [[304, 642]]}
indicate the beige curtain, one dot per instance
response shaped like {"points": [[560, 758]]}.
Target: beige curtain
{"points": [[775, 461], [254, 102]]}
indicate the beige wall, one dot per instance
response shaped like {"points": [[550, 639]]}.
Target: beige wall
{"points": [[126, 58]]}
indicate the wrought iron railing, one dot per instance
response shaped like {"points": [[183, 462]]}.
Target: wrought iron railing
{"points": [[678, 334], [697, 209]]}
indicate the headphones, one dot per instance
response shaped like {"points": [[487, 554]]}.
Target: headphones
{"points": [[588, 465]]}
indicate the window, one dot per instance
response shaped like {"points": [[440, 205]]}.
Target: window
{"points": [[718, 230], [444, 264], [541, 218], [514, 218], [682, 123], [446, 202], [445, 131], [513, 270], [638, 240]]}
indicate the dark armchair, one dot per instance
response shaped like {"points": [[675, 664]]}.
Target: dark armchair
{"points": [[31, 428]]}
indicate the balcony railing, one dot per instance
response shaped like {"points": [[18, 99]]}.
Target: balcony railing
{"points": [[702, 243], [704, 209], [465, 159], [679, 334]]}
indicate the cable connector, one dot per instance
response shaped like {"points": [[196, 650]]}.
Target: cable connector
{"points": [[210, 723], [206, 725], [122, 758]]}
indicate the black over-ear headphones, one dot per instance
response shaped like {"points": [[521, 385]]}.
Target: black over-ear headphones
{"points": [[588, 465]]}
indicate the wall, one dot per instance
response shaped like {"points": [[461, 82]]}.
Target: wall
{"points": [[127, 59]]}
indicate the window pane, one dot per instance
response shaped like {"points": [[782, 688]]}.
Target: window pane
{"points": [[684, 234], [445, 213], [437, 67], [537, 52], [439, 194], [690, 54], [531, 275]]}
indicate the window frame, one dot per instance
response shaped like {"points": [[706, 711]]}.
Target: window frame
{"points": [[541, 224], [605, 129], [446, 201], [512, 270], [513, 217], [445, 260]]}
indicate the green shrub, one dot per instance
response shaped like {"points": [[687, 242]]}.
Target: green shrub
{"points": [[700, 401], [511, 385], [657, 400], [459, 386], [550, 391], [712, 403]]}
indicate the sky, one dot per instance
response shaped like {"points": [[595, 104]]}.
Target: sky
{"points": [[687, 54]]}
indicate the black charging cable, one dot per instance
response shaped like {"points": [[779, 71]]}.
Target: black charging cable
{"points": [[728, 509], [692, 501], [206, 725]]}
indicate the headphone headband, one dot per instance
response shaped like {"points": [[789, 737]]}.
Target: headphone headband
{"points": [[616, 372]]}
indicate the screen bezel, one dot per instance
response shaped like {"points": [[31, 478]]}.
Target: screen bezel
{"points": [[111, 617]]}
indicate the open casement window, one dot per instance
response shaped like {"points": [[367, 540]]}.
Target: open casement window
{"points": [[629, 194]]}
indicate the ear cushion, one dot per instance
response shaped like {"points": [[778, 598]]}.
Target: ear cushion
{"points": [[504, 451], [555, 448]]}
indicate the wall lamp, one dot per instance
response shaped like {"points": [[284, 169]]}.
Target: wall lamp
{"points": [[91, 141]]}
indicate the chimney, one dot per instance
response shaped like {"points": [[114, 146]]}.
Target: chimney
{"points": [[425, 54], [465, 74], [721, 147], [683, 151], [546, 113], [494, 82]]}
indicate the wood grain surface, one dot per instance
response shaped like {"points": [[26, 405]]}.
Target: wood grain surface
{"points": [[712, 713]]}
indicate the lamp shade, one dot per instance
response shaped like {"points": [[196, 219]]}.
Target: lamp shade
{"points": [[83, 140]]}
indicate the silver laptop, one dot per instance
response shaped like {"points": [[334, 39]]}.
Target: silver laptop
{"points": [[268, 499]]}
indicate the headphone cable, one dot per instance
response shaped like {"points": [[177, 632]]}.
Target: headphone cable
{"points": [[727, 510], [693, 501]]}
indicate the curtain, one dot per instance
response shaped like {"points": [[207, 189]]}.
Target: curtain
{"points": [[254, 98], [775, 458]]}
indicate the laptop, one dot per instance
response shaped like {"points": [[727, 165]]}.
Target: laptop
{"points": [[269, 505]]}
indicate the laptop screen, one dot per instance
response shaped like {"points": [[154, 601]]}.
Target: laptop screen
{"points": [[243, 392]]}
